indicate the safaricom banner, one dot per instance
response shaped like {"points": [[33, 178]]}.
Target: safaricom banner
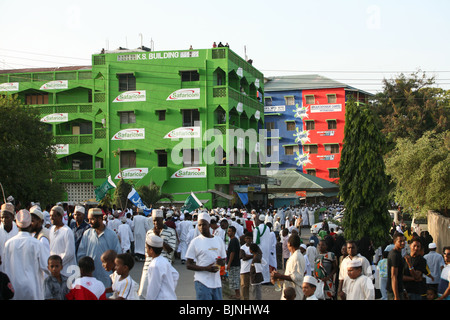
{"points": [[56, 117], [129, 134], [183, 132], [131, 96], [190, 172], [132, 173], [185, 94]]}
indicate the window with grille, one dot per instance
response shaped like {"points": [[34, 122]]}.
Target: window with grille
{"points": [[290, 150], [41, 98], [191, 157], [309, 124], [290, 125], [190, 117], [331, 98], [332, 124], [333, 173], [311, 148], [161, 115], [127, 117], [128, 159], [309, 99], [191, 75], [127, 82], [267, 101], [162, 158], [289, 100]]}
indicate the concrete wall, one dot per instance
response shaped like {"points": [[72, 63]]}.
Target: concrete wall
{"points": [[439, 228]]}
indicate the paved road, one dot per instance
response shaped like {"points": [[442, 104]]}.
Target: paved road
{"points": [[185, 288]]}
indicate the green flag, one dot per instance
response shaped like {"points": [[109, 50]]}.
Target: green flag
{"points": [[191, 203], [101, 191]]}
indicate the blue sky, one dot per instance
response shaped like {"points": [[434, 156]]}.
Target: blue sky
{"points": [[368, 40]]}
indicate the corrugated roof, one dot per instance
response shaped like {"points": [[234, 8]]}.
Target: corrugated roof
{"points": [[304, 82], [29, 70], [293, 180]]}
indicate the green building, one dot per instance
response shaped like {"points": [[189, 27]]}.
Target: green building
{"points": [[147, 116]]}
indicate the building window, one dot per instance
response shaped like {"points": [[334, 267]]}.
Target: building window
{"points": [[37, 98], [311, 148], [289, 100], [127, 82], [190, 116], [267, 101], [331, 98], [161, 115], [309, 99], [128, 159], [162, 158], [127, 117], [311, 172], [290, 125], [333, 148], [309, 124], [332, 124], [290, 150], [333, 173], [270, 126], [190, 157], [191, 75], [81, 128]]}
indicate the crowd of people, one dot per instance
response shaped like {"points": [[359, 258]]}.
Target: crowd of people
{"points": [[79, 252]]}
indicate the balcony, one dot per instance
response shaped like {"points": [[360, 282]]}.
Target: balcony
{"points": [[80, 175], [226, 91]]}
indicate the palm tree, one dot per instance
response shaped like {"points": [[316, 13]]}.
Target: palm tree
{"points": [[151, 194]]}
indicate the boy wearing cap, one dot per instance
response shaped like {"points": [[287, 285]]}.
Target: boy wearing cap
{"points": [[162, 276], [357, 286], [309, 286], [23, 256]]}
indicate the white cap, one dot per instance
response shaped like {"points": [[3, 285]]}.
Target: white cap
{"points": [[355, 263], [157, 213], [204, 216], [154, 241], [310, 280], [35, 210], [432, 246], [261, 217], [80, 209]]}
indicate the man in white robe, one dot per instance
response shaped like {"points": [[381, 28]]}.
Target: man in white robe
{"points": [[8, 227], [25, 261], [263, 238], [141, 227], [62, 240], [357, 286], [162, 276]]}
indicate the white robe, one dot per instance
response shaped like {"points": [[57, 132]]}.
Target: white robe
{"points": [[62, 243], [266, 247], [162, 280], [125, 236], [25, 266], [360, 288], [140, 230]]}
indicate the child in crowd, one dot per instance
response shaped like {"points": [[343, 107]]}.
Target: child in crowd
{"points": [[309, 286], [123, 286], [55, 285], [108, 260], [87, 287], [289, 293], [6, 288], [256, 276]]}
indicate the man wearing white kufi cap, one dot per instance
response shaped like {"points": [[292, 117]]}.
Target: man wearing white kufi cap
{"points": [[79, 225], [26, 263], [309, 287], [357, 286], [204, 254], [169, 245], [8, 227], [40, 233], [162, 277], [263, 238]]}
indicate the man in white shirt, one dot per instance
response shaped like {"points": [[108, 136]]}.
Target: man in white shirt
{"points": [[62, 240], [205, 255], [125, 235], [8, 227], [26, 263], [141, 227], [184, 228], [435, 263], [357, 286], [263, 238]]}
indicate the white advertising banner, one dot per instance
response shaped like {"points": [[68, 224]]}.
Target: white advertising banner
{"points": [[325, 108], [11, 86], [55, 85], [62, 149], [185, 94], [129, 134], [183, 132], [131, 96], [56, 117], [190, 172], [132, 173], [274, 108]]}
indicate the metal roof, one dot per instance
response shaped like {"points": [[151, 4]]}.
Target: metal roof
{"points": [[304, 82], [293, 180], [28, 70]]}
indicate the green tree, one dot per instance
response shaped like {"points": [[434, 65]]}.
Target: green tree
{"points": [[120, 197], [27, 155], [363, 185], [151, 194], [410, 105], [421, 172]]}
